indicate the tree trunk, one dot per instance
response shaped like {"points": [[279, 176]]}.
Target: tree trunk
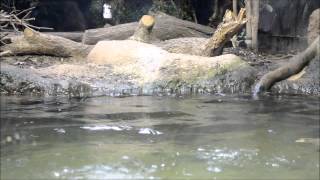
{"points": [[235, 11], [144, 30], [249, 23], [294, 66], [255, 24], [235, 6], [33, 42], [166, 27]]}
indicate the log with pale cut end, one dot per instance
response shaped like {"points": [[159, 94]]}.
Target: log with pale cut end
{"points": [[230, 25], [166, 27], [294, 66], [144, 30], [33, 42]]}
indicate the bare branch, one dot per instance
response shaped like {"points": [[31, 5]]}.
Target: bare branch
{"points": [[12, 20]]}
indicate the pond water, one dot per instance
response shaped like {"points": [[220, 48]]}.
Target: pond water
{"points": [[199, 137]]}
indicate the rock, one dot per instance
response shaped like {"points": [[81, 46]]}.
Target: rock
{"points": [[314, 26], [151, 63], [187, 45], [117, 68], [63, 80]]}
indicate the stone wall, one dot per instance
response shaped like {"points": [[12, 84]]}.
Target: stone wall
{"points": [[283, 24]]}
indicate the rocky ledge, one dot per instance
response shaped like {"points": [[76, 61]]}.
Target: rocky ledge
{"points": [[121, 68]]}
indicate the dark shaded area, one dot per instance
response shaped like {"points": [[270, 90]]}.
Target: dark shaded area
{"points": [[78, 15], [287, 18], [60, 15]]}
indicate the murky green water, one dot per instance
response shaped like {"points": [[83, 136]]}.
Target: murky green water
{"points": [[207, 137]]}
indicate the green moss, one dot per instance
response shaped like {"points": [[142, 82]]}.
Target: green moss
{"points": [[200, 74], [225, 68]]}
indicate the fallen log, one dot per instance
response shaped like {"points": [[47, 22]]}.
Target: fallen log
{"points": [[294, 66], [46, 44], [33, 42], [74, 36], [166, 27]]}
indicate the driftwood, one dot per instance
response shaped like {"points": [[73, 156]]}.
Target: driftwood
{"points": [[230, 26], [166, 27], [33, 42], [208, 47], [294, 66]]}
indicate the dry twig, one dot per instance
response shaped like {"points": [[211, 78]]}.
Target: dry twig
{"points": [[17, 20]]}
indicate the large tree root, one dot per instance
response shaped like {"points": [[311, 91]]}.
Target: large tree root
{"points": [[296, 64]]}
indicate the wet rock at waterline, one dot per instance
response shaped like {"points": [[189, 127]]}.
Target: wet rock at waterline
{"points": [[145, 73], [136, 69]]}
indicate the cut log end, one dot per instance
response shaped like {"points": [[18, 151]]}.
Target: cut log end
{"points": [[147, 21], [143, 32], [28, 32]]}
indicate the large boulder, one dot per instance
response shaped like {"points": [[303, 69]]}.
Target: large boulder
{"points": [[314, 26], [132, 68], [149, 63]]}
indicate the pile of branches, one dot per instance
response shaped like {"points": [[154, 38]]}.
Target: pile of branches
{"points": [[17, 20]]}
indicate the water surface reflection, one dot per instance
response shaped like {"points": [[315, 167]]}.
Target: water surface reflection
{"points": [[159, 138]]}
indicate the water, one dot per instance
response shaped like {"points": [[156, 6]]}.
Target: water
{"points": [[206, 137]]}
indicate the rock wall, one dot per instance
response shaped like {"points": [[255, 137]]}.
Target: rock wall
{"points": [[283, 23], [314, 26]]}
